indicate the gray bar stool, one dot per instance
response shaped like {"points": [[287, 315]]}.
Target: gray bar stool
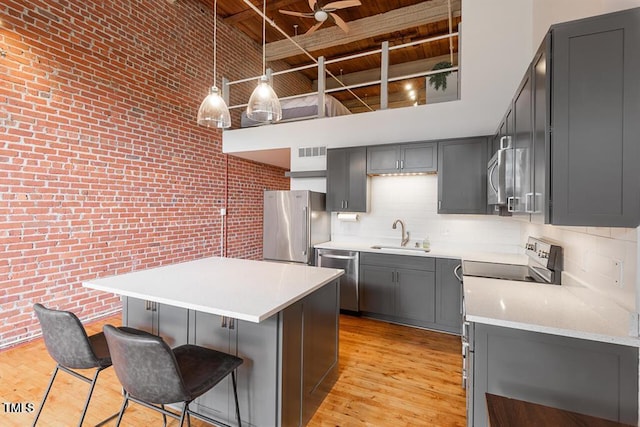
{"points": [[70, 347], [153, 375]]}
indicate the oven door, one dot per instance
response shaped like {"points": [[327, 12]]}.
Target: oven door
{"points": [[497, 178]]}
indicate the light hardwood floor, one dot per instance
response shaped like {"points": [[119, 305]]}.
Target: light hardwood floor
{"points": [[390, 375]]}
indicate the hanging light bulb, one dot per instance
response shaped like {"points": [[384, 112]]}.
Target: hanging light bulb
{"points": [[213, 111], [264, 105]]}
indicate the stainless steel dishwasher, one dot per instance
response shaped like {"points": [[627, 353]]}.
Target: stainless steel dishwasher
{"points": [[349, 262]]}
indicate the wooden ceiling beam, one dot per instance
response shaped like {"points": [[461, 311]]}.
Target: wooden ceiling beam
{"points": [[250, 13], [396, 20]]}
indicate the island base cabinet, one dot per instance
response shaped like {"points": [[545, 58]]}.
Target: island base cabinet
{"points": [[290, 360], [589, 377], [309, 334], [167, 321], [257, 345]]}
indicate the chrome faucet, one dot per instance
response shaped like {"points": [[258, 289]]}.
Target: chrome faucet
{"points": [[405, 239]]}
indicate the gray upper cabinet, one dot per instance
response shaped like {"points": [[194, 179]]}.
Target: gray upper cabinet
{"points": [[574, 138], [402, 158], [347, 179], [522, 146], [595, 108], [462, 176]]}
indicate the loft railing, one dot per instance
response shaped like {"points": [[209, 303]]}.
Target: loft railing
{"points": [[321, 65]]}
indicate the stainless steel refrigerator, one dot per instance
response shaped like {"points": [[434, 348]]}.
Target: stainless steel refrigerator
{"points": [[294, 221]]}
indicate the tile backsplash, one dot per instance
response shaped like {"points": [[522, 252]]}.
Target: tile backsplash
{"points": [[414, 200], [604, 258]]}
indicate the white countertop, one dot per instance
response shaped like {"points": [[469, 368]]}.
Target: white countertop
{"points": [[241, 289], [571, 309], [451, 252]]}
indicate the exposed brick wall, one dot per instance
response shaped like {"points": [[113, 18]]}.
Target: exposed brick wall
{"points": [[103, 169]]}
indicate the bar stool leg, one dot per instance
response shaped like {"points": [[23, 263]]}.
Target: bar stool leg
{"points": [[86, 403], [235, 396], [46, 394]]}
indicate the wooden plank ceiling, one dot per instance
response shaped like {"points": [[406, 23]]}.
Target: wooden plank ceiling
{"points": [[371, 23]]}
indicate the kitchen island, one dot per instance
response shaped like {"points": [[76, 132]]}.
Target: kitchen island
{"points": [[281, 319]]}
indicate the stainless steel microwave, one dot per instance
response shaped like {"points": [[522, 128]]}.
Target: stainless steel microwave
{"points": [[497, 172]]}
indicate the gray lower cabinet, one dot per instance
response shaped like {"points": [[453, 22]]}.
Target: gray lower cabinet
{"points": [[290, 359], [416, 291], [589, 377], [347, 180], [419, 157], [448, 296], [257, 345], [462, 176], [170, 322]]}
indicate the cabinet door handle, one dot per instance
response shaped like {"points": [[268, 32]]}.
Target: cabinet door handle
{"points": [[401, 164], [223, 323], [529, 207], [511, 201], [232, 323], [504, 145], [397, 164], [346, 204], [455, 272], [305, 236]]}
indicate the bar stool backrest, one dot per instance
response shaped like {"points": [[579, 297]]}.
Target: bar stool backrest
{"points": [[146, 367], [65, 338]]}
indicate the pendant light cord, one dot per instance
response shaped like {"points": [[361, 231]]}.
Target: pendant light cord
{"points": [[215, 42], [264, 38]]}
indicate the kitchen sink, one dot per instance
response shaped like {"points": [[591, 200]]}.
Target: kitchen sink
{"points": [[399, 248]]}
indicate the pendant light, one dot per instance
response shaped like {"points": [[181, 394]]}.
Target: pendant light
{"points": [[264, 105], [213, 111]]}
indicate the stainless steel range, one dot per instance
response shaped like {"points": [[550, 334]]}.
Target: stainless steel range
{"points": [[545, 265]]}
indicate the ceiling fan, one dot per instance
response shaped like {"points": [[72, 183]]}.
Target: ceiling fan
{"points": [[322, 13]]}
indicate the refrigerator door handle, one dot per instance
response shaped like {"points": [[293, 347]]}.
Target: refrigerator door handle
{"points": [[305, 237]]}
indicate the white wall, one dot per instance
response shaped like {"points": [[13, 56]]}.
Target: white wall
{"points": [[549, 12]]}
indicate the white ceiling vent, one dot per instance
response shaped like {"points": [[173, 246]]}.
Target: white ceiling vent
{"points": [[312, 151]]}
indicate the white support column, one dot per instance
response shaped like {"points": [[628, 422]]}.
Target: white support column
{"points": [[384, 76], [322, 85], [225, 90]]}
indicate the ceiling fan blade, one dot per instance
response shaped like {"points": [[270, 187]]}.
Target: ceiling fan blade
{"points": [[340, 22], [299, 14], [341, 4], [315, 27], [312, 4]]}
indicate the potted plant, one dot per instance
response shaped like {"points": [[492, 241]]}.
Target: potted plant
{"points": [[439, 80]]}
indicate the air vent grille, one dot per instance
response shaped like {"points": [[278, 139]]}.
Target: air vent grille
{"points": [[312, 151]]}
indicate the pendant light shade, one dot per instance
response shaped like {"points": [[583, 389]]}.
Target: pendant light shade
{"points": [[213, 112], [264, 105]]}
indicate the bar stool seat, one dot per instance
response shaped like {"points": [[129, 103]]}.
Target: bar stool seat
{"points": [[154, 375]]}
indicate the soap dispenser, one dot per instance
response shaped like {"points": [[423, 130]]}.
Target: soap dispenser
{"points": [[426, 245]]}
